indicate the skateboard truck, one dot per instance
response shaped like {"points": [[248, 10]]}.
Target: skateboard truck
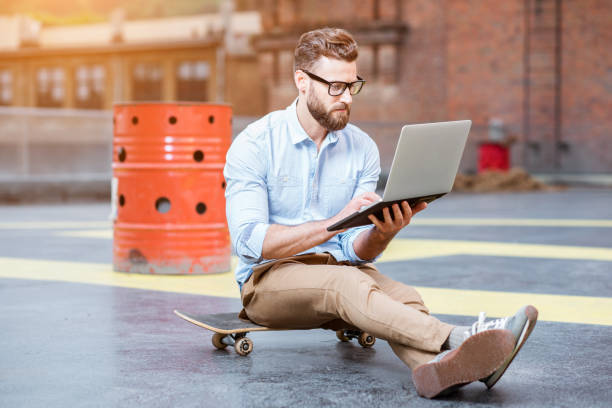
{"points": [[365, 340], [242, 344]]}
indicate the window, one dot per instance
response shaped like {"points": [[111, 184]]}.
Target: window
{"points": [[6, 87], [147, 82], [192, 81], [89, 86], [51, 87]]}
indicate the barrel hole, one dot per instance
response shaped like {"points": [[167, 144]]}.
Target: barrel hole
{"points": [[211, 119], [231, 120], [121, 200], [201, 208], [172, 120], [114, 120], [135, 120], [223, 185], [136, 257], [122, 154], [162, 205], [198, 155]]}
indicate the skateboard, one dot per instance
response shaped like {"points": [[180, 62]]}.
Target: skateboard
{"points": [[230, 330]]}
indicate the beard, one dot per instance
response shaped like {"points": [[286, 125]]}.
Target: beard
{"points": [[330, 119]]}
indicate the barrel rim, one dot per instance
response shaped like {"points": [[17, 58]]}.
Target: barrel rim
{"points": [[175, 103]]}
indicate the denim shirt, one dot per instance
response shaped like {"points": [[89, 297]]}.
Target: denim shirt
{"points": [[274, 175]]}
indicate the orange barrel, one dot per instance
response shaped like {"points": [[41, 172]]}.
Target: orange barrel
{"points": [[168, 188]]}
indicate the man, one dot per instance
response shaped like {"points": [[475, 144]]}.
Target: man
{"points": [[295, 172]]}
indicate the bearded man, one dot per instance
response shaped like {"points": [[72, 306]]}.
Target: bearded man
{"points": [[297, 171]]}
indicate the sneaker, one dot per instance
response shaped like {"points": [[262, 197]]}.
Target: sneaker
{"points": [[478, 356], [521, 325]]}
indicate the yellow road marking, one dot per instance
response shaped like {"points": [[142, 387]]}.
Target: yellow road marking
{"points": [[511, 222], [556, 308], [419, 221], [102, 274], [33, 225], [404, 249], [96, 233]]}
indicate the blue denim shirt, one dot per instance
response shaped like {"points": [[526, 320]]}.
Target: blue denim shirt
{"points": [[274, 175]]}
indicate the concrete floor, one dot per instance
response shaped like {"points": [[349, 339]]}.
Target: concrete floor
{"points": [[76, 334]]}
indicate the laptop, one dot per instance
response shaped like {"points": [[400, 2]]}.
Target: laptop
{"points": [[424, 167]]}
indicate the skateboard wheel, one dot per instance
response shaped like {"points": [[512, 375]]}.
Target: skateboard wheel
{"points": [[243, 346], [217, 341], [342, 336], [366, 340]]}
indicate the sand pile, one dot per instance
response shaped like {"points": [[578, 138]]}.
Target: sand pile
{"points": [[516, 179]]}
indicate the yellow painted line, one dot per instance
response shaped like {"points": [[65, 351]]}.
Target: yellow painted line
{"points": [[96, 233], [555, 308], [511, 222], [54, 225], [102, 274], [419, 221], [552, 308], [404, 249]]}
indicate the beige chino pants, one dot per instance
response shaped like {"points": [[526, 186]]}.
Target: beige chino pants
{"points": [[315, 290]]}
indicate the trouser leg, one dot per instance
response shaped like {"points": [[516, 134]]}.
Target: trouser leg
{"points": [[408, 296], [299, 295]]}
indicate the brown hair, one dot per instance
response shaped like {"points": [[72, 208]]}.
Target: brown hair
{"points": [[329, 42]]}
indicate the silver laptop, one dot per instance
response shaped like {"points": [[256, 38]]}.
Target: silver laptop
{"points": [[424, 167]]}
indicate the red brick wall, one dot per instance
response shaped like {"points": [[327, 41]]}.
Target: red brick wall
{"points": [[466, 59], [587, 85], [484, 67]]}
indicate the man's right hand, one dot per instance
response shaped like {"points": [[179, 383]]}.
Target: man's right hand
{"points": [[355, 205]]}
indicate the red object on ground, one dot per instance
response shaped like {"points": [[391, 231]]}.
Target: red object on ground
{"points": [[168, 188], [493, 156]]}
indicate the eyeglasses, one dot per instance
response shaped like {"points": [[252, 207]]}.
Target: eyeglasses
{"points": [[337, 88]]}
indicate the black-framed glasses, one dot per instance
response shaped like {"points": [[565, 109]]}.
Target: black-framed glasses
{"points": [[337, 88]]}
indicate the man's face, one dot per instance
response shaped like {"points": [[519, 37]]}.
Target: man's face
{"points": [[332, 112]]}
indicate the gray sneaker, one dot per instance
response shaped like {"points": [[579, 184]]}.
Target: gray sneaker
{"points": [[520, 325], [477, 357]]}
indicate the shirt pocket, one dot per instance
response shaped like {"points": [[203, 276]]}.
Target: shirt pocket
{"points": [[336, 194], [285, 196]]}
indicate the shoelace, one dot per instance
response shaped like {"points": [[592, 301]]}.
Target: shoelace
{"points": [[481, 325]]}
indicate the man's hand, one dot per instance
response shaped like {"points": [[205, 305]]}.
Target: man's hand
{"points": [[369, 244], [355, 205], [389, 227]]}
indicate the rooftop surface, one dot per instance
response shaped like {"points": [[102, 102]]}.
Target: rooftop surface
{"points": [[75, 333]]}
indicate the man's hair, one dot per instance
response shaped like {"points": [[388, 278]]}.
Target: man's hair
{"points": [[329, 42]]}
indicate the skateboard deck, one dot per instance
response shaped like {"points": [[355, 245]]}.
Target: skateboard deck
{"points": [[223, 323], [230, 330]]}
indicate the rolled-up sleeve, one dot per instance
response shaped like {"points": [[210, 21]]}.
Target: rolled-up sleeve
{"points": [[246, 198], [346, 243], [368, 179]]}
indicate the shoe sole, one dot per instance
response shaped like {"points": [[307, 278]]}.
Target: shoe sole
{"points": [[477, 357], [532, 318]]}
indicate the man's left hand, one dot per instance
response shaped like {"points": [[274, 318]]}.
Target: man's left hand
{"points": [[390, 226]]}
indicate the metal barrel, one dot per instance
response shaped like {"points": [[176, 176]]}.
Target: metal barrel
{"points": [[168, 188]]}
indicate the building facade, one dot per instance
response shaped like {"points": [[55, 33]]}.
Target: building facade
{"points": [[539, 70], [542, 68], [92, 66]]}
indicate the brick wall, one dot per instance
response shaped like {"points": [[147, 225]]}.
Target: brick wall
{"points": [[587, 85], [480, 60]]}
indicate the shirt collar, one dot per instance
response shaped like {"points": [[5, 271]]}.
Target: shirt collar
{"points": [[298, 133]]}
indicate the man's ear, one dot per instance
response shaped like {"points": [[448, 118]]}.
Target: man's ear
{"points": [[301, 81]]}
